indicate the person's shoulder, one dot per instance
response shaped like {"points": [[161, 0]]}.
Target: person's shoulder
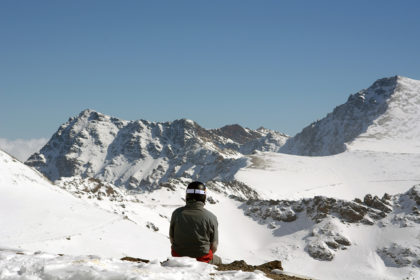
{"points": [[178, 210], [210, 214]]}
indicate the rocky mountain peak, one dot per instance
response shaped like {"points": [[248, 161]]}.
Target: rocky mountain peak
{"points": [[237, 133], [141, 154], [378, 112], [390, 82]]}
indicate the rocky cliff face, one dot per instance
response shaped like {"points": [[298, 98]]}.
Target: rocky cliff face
{"points": [[141, 154], [327, 217], [389, 109]]}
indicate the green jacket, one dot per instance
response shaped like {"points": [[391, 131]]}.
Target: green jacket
{"points": [[193, 230]]}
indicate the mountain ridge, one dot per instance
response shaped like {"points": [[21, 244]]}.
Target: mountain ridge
{"points": [[141, 154], [377, 107]]}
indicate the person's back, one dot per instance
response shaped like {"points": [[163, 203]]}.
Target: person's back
{"points": [[194, 230]]}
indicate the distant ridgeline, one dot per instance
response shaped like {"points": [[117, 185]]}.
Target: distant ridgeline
{"points": [[141, 154]]}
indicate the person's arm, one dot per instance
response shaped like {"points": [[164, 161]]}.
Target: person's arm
{"points": [[215, 238], [171, 230], [213, 246]]}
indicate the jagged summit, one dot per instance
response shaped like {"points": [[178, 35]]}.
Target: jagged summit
{"points": [[87, 111], [143, 154], [237, 133], [385, 113]]}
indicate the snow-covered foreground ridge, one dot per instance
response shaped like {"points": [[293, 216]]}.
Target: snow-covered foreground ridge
{"points": [[40, 266]]}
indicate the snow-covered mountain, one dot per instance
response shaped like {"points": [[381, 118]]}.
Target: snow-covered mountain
{"points": [[142, 155], [385, 117], [351, 215], [367, 238]]}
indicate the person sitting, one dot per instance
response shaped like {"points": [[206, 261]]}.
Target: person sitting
{"points": [[193, 231]]}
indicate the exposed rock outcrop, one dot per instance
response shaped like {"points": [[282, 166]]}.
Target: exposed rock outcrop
{"points": [[326, 214]]}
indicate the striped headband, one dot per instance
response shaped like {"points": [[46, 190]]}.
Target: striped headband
{"points": [[196, 191]]}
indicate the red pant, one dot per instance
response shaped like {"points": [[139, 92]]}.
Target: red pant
{"points": [[206, 258]]}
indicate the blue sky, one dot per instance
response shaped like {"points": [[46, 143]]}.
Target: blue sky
{"points": [[277, 64]]}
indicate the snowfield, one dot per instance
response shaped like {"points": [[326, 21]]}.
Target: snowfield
{"points": [[348, 175], [122, 224]]}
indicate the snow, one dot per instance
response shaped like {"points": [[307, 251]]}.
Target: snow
{"points": [[42, 216], [348, 175], [28, 265]]}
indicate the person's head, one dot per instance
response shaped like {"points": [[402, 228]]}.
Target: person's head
{"points": [[196, 191]]}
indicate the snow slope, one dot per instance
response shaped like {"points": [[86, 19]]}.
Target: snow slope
{"points": [[347, 175], [36, 215]]}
